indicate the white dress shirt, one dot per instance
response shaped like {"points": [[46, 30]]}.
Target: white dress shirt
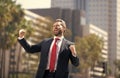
{"points": [[59, 42]]}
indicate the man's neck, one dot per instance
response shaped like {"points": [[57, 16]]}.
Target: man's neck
{"points": [[59, 36]]}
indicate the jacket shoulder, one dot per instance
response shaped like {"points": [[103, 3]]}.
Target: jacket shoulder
{"points": [[46, 40], [69, 42]]}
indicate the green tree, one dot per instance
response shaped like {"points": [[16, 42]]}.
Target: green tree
{"points": [[11, 20], [89, 50]]}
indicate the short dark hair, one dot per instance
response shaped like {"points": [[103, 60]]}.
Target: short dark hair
{"points": [[62, 21]]}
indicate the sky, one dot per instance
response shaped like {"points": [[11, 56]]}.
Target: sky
{"points": [[32, 4]]}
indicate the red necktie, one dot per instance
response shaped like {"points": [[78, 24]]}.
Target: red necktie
{"points": [[53, 56]]}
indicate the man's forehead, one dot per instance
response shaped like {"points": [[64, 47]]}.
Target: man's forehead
{"points": [[57, 23]]}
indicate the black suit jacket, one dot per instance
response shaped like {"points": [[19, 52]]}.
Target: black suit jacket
{"points": [[63, 58]]}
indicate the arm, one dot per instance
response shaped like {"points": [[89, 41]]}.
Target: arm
{"points": [[73, 55], [30, 48], [26, 46]]}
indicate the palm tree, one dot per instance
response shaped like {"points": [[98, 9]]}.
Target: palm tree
{"points": [[11, 20]]}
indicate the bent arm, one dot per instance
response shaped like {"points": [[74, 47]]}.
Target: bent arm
{"points": [[30, 48], [73, 55], [74, 60]]}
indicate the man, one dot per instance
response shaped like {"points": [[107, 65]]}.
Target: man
{"points": [[55, 52]]}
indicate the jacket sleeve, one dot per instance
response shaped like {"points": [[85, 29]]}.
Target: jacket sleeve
{"points": [[74, 59], [30, 48]]}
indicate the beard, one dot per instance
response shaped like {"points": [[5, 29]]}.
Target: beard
{"points": [[59, 33]]}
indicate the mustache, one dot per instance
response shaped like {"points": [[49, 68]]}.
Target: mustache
{"points": [[58, 33]]}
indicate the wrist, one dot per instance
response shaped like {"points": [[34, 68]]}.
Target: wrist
{"points": [[20, 38], [74, 54]]}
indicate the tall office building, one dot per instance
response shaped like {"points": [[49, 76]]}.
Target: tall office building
{"points": [[69, 4], [96, 10], [102, 13]]}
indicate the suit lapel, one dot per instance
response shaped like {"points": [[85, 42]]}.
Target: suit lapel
{"points": [[62, 46], [49, 43]]}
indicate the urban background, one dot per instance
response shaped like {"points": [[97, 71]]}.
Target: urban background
{"points": [[94, 26]]}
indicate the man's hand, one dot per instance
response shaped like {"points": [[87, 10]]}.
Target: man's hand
{"points": [[73, 50], [22, 33]]}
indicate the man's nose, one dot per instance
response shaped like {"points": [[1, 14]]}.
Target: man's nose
{"points": [[56, 27]]}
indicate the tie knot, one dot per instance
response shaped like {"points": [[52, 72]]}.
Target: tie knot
{"points": [[56, 39]]}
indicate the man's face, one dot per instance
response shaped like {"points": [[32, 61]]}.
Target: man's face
{"points": [[58, 29]]}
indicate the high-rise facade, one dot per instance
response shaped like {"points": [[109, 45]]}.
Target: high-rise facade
{"points": [[63, 4], [102, 13], [69, 4], [96, 10]]}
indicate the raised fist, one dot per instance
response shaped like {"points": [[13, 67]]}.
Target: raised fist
{"points": [[22, 33]]}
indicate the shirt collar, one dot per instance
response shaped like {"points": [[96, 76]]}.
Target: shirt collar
{"points": [[59, 37]]}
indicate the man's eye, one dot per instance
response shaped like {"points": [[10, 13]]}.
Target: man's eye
{"points": [[56, 26]]}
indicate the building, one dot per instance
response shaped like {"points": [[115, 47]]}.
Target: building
{"points": [[76, 21], [105, 15], [69, 4], [15, 62], [73, 18], [30, 62], [94, 10]]}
